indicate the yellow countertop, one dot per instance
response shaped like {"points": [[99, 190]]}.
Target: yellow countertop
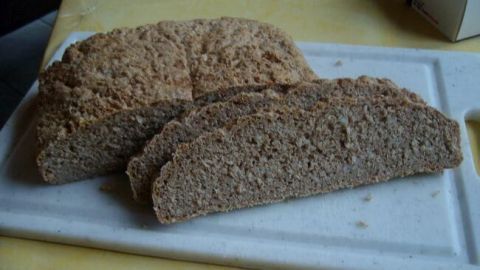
{"points": [[368, 22]]}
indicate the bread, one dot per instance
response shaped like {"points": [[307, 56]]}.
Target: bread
{"points": [[144, 167], [289, 152], [113, 91]]}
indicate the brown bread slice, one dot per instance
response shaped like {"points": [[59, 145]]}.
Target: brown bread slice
{"points": [[288, 152], [145, 167], [113, 91]]}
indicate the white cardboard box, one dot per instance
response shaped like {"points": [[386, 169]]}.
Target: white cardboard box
{"points": [[457, 19]]}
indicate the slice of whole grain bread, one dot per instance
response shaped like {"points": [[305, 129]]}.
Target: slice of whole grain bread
{"points": [[289, 152], [113, 91], [145, 167]]}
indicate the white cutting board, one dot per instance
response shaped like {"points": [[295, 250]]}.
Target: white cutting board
{"points": [[422, 222]]}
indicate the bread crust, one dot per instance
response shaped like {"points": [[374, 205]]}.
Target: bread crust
{"points": [[129, 70]]}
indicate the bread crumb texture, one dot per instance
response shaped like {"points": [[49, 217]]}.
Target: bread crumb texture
{"points": [[113, 91], [289, 152], [144, 167], [131, 68]]}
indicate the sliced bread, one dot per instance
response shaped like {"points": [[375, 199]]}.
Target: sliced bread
{"points": [[289, 152], [113, 91], [145, 167]]}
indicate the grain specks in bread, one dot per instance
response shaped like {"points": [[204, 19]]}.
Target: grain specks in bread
{"points": [[113, 91], [144, 167], [289, 152]]}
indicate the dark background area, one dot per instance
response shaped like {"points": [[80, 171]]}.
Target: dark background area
{"points": [[14, 14], [25, 28]]}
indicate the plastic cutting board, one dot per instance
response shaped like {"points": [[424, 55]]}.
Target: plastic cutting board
{"points": [[422, 222]]}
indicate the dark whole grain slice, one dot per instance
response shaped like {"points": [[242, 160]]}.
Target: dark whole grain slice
{"points": [[289, 152], [112, 92], [145, 166]]}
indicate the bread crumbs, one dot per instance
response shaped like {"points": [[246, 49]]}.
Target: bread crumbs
{"points": [[361, 224], [106, 187], [367, 198]]}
